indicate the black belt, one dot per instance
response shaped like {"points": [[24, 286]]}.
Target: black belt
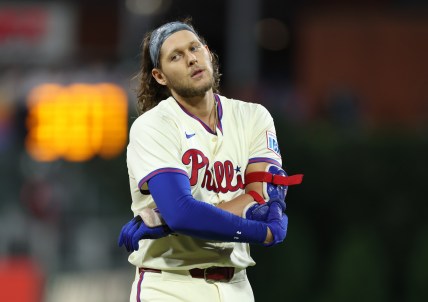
{"points": [[210, 274]]}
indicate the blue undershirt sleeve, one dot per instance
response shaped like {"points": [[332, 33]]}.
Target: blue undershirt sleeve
{"points": [[186, 215]]}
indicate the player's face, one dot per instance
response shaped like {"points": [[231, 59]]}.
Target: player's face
{"points": [[186, 66]]}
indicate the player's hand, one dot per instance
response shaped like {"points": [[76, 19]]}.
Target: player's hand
{"points": [[275, 193], [255, 211], [271, 193], [136, 229], [277, 222], [127, 231]]}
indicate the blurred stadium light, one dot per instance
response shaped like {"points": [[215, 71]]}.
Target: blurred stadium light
{"points": [[76, 122]]}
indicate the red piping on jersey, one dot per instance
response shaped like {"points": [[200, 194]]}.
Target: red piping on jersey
{"points": [[139, 286], [219, 112], [263, 159], [156, 172]]}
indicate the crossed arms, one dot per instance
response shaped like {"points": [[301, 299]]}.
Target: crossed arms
{"points": [[264, 223]]}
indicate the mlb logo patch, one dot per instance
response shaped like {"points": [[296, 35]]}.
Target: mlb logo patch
{"points": [[272, 142]]}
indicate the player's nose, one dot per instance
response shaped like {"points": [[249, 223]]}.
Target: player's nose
{"points": [[192, 59]]}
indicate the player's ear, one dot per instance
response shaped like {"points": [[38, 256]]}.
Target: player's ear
{"points": [[159, 76]]}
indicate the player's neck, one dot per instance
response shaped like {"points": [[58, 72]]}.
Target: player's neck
{"points": [[202, 107]]}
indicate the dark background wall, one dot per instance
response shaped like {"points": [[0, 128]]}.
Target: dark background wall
{"points": [[346, 82]]}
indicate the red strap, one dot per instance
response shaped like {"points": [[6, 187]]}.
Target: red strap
{"points": [[275, 179], [257, 197], [291, 180], [258, 176]]}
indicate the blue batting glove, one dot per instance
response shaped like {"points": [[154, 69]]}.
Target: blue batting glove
{"points": [[128, 229], [257, 212], [136, 229], [277, 221], [145, 232], [276, 193]]}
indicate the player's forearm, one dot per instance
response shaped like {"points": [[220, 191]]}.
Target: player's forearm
{"points": [[202, 220], [236, 205], [188, 216]]}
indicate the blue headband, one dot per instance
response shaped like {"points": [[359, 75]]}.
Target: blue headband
{"points": [[159, 36]]}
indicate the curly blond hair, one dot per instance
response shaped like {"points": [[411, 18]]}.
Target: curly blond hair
{"points": [[149, 91]]}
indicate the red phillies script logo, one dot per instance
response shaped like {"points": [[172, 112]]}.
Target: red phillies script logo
{"points": [[222, 171]]}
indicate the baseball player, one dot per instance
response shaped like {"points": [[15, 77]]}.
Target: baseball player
{"points": [[205, 177]]}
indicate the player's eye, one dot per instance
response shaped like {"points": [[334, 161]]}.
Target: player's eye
{"points": [[195, 48], [175, 57]]}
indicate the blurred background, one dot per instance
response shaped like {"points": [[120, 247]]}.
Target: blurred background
{"points": [[346, 82]]}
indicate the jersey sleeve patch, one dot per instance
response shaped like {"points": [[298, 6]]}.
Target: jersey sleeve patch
{"points": [[272, 142]]}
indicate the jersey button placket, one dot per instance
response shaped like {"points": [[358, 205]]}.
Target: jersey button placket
{"points": [[217, 140]]}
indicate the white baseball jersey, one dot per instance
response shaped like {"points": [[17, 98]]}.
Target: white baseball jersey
{"points": [[168, 138]]}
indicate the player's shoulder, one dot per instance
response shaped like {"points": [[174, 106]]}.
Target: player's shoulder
{"points": [[157, 117], [246, 108]]}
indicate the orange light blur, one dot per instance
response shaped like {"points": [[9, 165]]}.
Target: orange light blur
{"points": [[76, 122]]}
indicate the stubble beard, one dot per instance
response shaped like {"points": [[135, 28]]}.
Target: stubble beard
{"points": [[186, 91]]}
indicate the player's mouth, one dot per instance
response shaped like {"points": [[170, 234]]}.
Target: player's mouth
{"points": [[197, 73]]}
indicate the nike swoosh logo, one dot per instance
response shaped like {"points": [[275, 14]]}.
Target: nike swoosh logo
{"points": [[189, 135]]}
